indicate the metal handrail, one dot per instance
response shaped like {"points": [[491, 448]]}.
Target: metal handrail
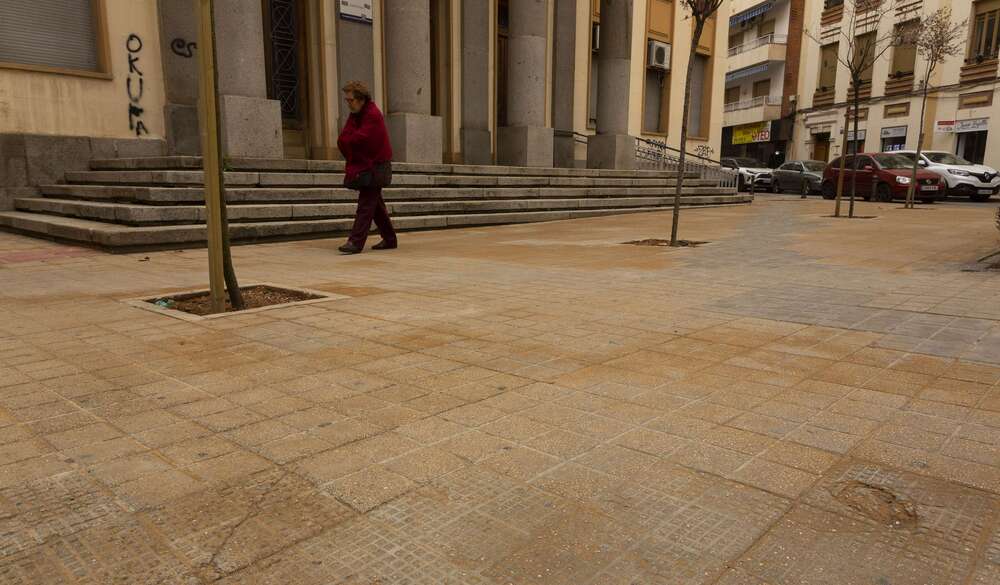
{"points": [[763, 100], [769, 39], [656, 155]]}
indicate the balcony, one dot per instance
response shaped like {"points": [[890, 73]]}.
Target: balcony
{"points": [[900, 84], [767, 48], [758, 109], [978, 70]]}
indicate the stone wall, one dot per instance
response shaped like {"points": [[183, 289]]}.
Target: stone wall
{"points": [[29, 160]]}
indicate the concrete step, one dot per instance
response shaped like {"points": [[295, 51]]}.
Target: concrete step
{"points": [[180, 195], [137, 214], [304, 179], [123, 237], [323, 166]]}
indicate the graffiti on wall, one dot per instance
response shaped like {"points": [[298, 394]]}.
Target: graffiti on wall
{"points": [[135, 85], [183, 48]]}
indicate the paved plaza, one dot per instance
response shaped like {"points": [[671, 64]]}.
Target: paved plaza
{"points": [[803, 400]]}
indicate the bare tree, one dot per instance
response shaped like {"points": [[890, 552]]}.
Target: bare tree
{"points": [[865, 44], [936, 38], [700, 11]]}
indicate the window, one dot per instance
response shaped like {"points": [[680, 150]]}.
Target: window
{"points": [[904, 56], [652, 108], [864, 161], [828, 67], [732, 94], [63, 35], [985, 31], [972, 146], [832, 3], [864, 52], [699, 83], [765, 28], [762, 88], [794, 167]]}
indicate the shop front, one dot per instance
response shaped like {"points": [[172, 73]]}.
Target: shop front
{"points": [[893, 138], [971, 135], [757, 140]]}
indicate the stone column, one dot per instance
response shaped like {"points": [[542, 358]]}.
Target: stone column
{"points": [[179, 54], [563, 86], [526, 141], [251, 123], [477, 140], [612, 147], [415, 134]]}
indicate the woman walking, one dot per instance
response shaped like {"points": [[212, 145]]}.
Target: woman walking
{"points": [[364, 142]]}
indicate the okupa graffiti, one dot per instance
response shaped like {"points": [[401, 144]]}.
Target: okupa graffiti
{"points": [[183, 48], [135, 85]]}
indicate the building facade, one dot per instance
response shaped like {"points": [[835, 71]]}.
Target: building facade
{"points": [[765, 39], [961, 115], [511, 82]]}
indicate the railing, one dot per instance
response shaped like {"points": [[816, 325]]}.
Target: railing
{"points": [[764, 100], [656, 155], [771, 39]]}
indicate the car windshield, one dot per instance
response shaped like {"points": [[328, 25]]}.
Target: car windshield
{"points": [[813, 165], [893, 161], [946, 158], [744, 161]]}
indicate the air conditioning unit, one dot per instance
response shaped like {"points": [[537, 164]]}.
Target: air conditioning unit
{"points": [[595, 37], [658, 56]]}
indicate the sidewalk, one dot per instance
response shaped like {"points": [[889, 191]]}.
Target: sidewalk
{"points": [[802, 400]]}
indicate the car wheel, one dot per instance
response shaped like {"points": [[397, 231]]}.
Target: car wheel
{"points": [[774, 186], [828, 191], [883, 193]]}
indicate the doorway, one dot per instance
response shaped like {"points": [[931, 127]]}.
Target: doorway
{"points": [[972, 146], [285, 66], [503, 34], [821, 147]]}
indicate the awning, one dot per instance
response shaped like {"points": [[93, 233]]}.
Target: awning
{"points": [[746, 72], [748, 14]]}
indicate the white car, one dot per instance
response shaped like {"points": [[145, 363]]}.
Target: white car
{"points": [[978, 182], [749, 172]]}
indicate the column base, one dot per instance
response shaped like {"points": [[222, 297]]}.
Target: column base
{"points": [[477, 146], [611, 151], [524, 146], [251, 127], [564, 151], [183, 134], [415, 138]]}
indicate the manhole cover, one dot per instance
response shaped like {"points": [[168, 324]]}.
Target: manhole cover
{"points": [[658, 242], [876, 502]]}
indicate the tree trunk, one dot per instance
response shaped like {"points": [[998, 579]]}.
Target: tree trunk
{"points": [[911, 190], [843, 164], [699, 25], [854, 175], [229, 273]]}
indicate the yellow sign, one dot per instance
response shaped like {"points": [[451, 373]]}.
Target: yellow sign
{"points": [[750, 133]]}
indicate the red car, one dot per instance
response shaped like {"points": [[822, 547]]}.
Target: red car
{"points": [[882, 176]]}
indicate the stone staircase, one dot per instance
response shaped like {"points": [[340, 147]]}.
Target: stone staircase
{"points": [[123, 204]]}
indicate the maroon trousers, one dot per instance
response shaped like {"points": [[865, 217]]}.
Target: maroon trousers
{"points": [[371, 207]]}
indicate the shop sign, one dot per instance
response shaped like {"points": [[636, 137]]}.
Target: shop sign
{"points": [[820, 129], [357, 10], [751, 133], [953, 126], [894, 132], [862, 134]]}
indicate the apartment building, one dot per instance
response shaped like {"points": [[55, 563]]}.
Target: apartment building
{"points": [[764, 42], [508, 82], [962, 116]]}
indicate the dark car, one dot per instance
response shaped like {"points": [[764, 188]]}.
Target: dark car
{"points": [[881, 176], [798, 176]]}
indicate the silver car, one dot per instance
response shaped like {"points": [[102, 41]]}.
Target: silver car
{"points": [[798, 176]]}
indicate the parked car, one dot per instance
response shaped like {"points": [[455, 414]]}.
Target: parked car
{"points": [[963, 178], [881, 176], [748, 172], [798, 176]]}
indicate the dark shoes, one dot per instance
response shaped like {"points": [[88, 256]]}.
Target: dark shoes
{"points": [[384, 245], [349, 248]]}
